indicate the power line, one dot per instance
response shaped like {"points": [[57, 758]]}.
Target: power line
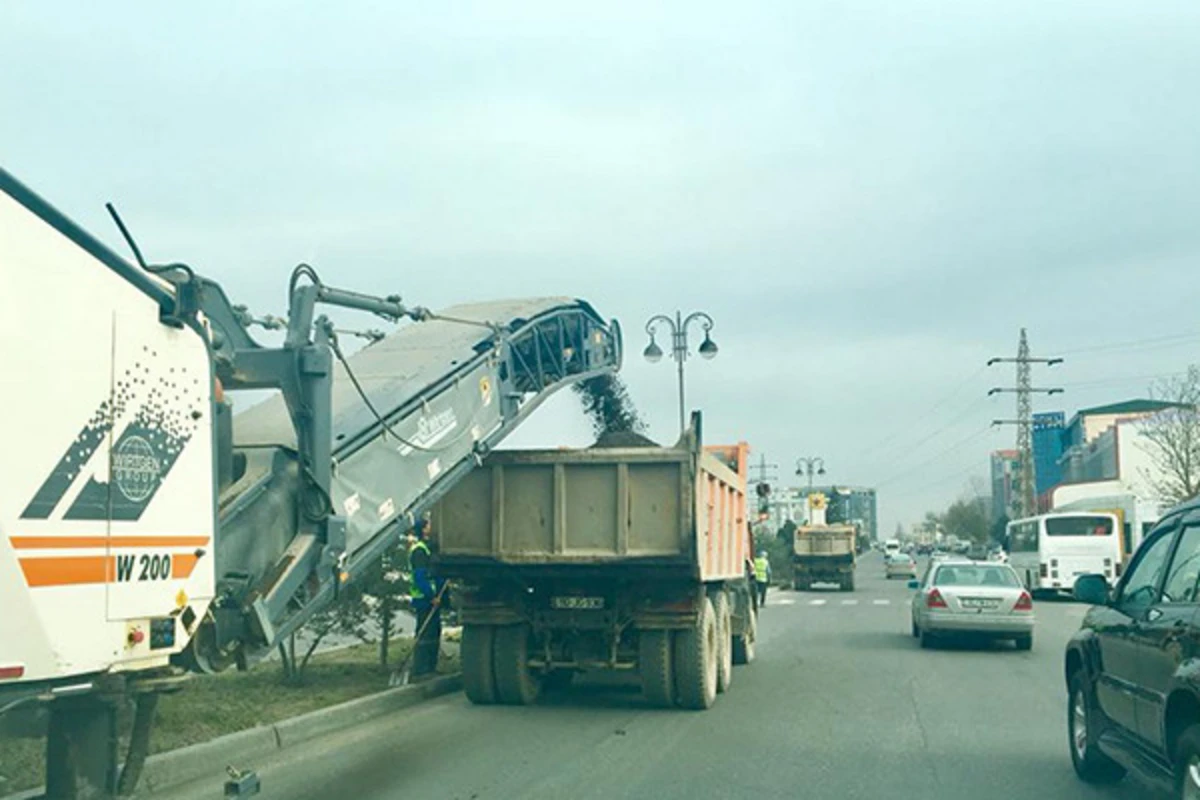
{"points": [[1170, 340], [1120, 380], [900, 430], [912, 470]]}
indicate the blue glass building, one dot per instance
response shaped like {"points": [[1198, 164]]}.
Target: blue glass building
{"points": [[1049, 432]]}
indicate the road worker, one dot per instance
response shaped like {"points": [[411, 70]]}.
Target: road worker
{"points": [[425, 602], [762, 576]]}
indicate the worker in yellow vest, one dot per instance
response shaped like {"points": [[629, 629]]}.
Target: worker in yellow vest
{"points": [[423, 590], [762, 576]]}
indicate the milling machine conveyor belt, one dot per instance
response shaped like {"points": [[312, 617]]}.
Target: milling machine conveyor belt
{"points": [[449, 392]]}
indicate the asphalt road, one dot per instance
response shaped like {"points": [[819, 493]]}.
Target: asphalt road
{"points": [[840, 704]]}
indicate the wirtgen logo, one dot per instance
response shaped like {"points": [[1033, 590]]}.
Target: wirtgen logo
{"points": [[166, 416]]}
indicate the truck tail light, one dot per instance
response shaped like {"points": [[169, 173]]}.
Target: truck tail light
{"points": [[10, 672], [935, 600], [1024, 603]]}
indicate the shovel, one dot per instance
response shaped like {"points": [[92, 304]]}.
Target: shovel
{"points": [[400, 676]]}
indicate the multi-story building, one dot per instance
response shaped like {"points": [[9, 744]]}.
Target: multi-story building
{"points": [[1108, 465], [1048, 429], [1006, 481], [846, 504]]}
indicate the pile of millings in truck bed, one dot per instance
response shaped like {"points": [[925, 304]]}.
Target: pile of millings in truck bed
{"points": [[624, 439], [614, 419]]}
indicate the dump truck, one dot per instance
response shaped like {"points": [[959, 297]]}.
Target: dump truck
{"points": [[148, 532], [631, 558], [824, 554]]}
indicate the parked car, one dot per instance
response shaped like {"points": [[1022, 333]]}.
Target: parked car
{"points": [[1131, 669], [977, 552], [966, 597], [900, 565]]}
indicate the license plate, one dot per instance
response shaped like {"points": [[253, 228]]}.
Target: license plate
{"points": [[571, 603], [979, 602]]}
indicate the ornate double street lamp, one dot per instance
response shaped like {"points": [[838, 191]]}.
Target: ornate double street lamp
{"points": [[678, 328], [810, 465]]}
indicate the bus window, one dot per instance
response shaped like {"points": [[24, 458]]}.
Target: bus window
{"points": [[1023, 537], [1079, 526]]}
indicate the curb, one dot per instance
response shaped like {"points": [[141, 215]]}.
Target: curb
{"points": [[208, 759]]}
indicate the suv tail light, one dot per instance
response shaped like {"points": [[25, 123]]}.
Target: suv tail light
{"points": [[1024, 603], [935, 600]]}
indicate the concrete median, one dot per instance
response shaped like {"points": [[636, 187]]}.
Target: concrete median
{"points": [[243, 749]]}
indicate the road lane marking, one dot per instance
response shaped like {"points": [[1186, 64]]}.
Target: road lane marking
{"points": [[882, 602], [785, 601], [849, 602], [817, 602]]}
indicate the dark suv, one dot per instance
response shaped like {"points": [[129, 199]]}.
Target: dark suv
{"points": [[1133, 669]]}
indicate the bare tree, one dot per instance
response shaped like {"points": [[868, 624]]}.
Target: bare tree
{"points": [[1174, 437]]}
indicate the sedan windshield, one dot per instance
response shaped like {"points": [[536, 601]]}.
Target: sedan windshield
{"points": [[969, 575]]}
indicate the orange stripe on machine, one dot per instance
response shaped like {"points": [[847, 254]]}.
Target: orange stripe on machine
{"points": [[85, 570], [81, 542], [67, 571]]}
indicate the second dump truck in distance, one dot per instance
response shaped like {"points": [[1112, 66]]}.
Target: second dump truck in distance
{"points": [[824, 554]]}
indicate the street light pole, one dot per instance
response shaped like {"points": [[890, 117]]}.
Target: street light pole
{"points": [[806, 464], [678, 328]]}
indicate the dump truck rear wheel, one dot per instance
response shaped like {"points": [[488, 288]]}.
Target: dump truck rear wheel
{"points": [[515, 683], [724, 641], [743, 645], [479, 679], [654, 664], [696, 661]]}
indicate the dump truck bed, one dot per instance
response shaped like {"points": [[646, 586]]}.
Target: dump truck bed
{"points": [[680, 507], [825, 540]]}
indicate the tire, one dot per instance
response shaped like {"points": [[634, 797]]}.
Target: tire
{"points": [[696, 661], [654, 665], [847, 584], [743, 645], [926, 638], [724, 641], [479, 678], [1187, 755], [916, 632], [515, 684], [1025, 642], [1090, 764]]}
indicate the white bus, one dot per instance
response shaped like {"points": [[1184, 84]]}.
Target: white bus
{"points": [[1050, 551]]}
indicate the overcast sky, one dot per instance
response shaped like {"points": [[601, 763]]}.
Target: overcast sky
{"points": [[869, 198]]}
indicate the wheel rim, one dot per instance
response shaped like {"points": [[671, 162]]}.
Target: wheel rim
{"points": [[1079, 730], [1191, 779]]}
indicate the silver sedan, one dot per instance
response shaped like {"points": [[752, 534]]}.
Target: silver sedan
{"points": [[967, 597]]}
